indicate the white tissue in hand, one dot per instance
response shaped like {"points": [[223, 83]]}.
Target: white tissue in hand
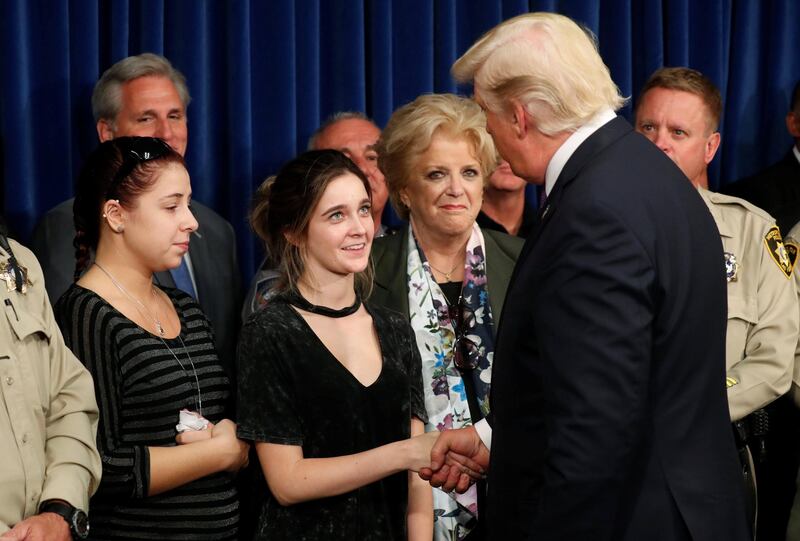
{"points": [[191, 420]]}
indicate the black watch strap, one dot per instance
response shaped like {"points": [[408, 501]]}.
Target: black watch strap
{"points": [[76, 519]]}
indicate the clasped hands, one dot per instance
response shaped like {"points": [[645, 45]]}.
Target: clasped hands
{"points": [[458, 458]]}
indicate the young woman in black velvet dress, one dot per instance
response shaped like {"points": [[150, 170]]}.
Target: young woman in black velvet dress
{"points": [[329, 387]]}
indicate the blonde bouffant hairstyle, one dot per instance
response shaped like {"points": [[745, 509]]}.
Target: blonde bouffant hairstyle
{"points": [[546, 62], [409, 133]]}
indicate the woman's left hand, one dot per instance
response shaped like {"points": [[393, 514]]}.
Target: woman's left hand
{"points": [[191, 436]]}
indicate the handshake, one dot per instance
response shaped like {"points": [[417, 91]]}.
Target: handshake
{"points": [[458, 458]]}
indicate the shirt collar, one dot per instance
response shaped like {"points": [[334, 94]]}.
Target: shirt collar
{"points": [[568, 147], [796, 153]]}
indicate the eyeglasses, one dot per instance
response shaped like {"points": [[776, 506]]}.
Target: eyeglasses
{"points": [[135, 151], [466, 353]]}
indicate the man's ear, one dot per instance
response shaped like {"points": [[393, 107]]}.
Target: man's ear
{"points": [[793, 124], [712, 144], [519, 119], [105, 130]]}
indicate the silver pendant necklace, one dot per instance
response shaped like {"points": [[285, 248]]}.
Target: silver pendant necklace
{"points": [[145, 313], [140, 307]]}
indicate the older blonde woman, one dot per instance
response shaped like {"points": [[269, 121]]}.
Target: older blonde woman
{"points": [[443, 272]]}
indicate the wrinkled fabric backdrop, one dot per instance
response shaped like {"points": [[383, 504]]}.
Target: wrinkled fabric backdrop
{"points": [[264, 74]]}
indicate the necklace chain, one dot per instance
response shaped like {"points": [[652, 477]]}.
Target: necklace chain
{"points": [[446, 275], [139, 307]]}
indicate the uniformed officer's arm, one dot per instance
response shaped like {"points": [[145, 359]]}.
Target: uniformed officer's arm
{"points": [[792, 245], [73, 463], [795, 390], [765, 370]]}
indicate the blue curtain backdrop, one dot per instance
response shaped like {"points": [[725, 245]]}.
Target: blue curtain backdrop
{"points": [[263, 74]]}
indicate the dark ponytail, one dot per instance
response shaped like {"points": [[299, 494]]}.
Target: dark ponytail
{"points": [[120, 169]]}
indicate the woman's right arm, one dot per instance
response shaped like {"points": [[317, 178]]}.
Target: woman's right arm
{"points": [[293, 479], [171, 467], [268, 414], [129, 471]]}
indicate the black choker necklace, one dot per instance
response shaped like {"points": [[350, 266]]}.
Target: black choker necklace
{"points": [[299, 301]]}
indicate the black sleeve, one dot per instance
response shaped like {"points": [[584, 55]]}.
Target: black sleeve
{"points": [[267, 390], [89, 327]]}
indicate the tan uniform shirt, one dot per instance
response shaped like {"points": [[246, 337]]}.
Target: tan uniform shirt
{"points": [[763, 316], [793, 245], [48, 412]]}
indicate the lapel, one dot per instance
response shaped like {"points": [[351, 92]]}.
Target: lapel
{"points": [[200, 255], [389, 258], [791, 161], [198, 251], [499, 268], [583, 155], [164, 278]]}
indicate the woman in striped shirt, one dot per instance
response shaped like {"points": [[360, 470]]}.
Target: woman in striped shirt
{"points": [[151, 353]]}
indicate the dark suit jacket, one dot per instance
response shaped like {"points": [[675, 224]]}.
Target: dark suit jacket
{"points": [[390, 254], [213, 254], [610, 419], [776, 189]]}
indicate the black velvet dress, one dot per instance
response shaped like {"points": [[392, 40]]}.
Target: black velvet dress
{"points": [[293, 391]]}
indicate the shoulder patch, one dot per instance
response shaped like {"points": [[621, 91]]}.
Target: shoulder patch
{"points": [[778, 251]]}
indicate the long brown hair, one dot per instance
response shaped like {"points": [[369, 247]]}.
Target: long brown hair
{"points": [[283, 205]]}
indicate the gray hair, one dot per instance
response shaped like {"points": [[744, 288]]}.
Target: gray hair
{"points": [[333, 119], [107, 95]]}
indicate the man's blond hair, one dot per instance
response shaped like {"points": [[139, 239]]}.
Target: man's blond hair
{"points": [[546, 62]]}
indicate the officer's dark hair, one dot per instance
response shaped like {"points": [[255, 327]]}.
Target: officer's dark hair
{"points": [[121, 169]]}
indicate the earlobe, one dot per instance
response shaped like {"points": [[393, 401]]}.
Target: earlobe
{"points": [[519, 120], [114, 215], [105, 131], [290, 238], [404, 198], [793, 124], [712, 144]]}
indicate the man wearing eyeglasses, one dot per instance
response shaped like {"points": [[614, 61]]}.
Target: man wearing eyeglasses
{"points": [[145, 95]]}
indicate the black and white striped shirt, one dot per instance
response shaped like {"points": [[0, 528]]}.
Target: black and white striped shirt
{"points": [[141, 388]]}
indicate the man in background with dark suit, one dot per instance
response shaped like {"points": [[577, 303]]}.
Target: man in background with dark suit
{"points": [[609, 418], [145, 96], [776, 189]]}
